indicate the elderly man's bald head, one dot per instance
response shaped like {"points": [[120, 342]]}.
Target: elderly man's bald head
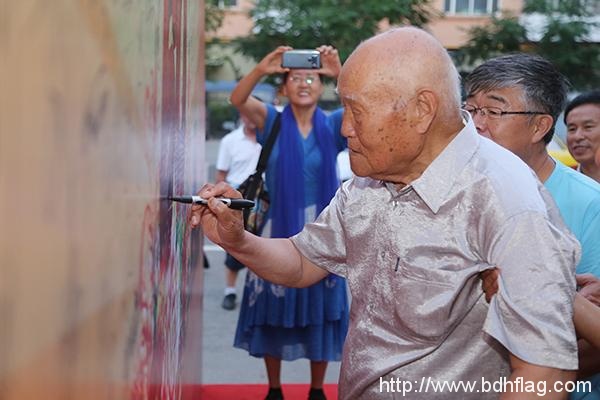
{"points": [[401, 104], [404, 60]]}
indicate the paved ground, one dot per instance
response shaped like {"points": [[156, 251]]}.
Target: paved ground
{"points": [[222, 363]]}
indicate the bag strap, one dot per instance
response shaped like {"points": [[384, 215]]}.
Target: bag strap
{"points": [[266, 150]]}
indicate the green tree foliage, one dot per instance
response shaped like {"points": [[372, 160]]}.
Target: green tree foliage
{"points": [[502, 35], [213, 17], [214, 58], [574, 8], [564, 39], [310, 23], [578, 59]]}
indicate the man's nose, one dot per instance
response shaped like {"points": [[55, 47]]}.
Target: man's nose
{"points": [[347, 130], [480, 123], [577, 134]]}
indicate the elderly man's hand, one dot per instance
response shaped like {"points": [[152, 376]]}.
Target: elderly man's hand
{"points": [[590, 287], [489, 282], [221, 224]]}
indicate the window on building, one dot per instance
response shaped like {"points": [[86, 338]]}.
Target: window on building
{"points": [[224, 3], [470, 7]]}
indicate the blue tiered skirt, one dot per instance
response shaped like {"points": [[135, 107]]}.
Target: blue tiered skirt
{"points": [[289, 324]]}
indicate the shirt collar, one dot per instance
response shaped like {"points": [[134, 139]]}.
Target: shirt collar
{"points": [[246, 137], [436, 181]]}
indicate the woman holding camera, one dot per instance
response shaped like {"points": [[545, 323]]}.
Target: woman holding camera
{"points": [[276, 322]]}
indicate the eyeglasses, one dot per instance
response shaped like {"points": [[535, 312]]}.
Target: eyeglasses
{"points": [[495, 112], [296, 79]]}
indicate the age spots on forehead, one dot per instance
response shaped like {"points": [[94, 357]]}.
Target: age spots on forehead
{"points": [[398, 105]]}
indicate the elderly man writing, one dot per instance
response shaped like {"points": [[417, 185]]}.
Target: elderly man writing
{"points": [[433, 205]]}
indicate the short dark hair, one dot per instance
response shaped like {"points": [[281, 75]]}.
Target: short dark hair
{"points": [[591, 97], [544, 87]]}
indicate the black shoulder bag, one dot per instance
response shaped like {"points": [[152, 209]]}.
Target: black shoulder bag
{"points": [[253, 188]]}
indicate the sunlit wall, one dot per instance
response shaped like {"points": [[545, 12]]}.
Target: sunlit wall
{"points": [[101, 113]]}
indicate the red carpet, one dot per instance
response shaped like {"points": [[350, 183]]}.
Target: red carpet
{"points": [[251, 392]]}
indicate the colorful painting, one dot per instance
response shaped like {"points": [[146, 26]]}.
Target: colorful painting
{"points": [[102, 117]]}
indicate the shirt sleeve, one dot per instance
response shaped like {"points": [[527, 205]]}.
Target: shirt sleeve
{"points": [[532, 313], [590, 240], [261, 136], [224, 157], [323, 242]]}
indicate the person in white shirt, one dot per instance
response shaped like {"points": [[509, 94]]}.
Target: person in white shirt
{"points": [[238, 156]]}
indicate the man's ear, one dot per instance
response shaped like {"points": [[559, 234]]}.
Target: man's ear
{"points": [[541, 125], [424, 110]]}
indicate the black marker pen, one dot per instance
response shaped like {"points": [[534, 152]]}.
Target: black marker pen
{"points": [[236, 204]]}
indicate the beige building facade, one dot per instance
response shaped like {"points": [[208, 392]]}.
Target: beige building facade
{"points": [[451, 29]]}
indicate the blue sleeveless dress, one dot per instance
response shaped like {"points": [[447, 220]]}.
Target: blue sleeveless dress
{"points": [[289, 323]]}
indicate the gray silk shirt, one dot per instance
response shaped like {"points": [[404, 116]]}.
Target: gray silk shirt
{"points": [[412, 258]]}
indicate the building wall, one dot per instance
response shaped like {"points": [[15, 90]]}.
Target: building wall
{"points": [[101, 113], [452, 30], [236, 22]]}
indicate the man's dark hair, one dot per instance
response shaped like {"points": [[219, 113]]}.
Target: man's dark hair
{"points": [[544, 88], [591, 97]]}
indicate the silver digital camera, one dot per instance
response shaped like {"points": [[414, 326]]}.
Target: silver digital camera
{"points": [[301, 59]]}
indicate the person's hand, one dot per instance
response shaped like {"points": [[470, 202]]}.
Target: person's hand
{"points": [[489, 282], [221, 224], [330, 61], [590, 287], [271, 63]]}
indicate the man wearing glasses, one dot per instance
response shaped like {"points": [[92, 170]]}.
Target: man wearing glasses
{"points": [[515, 100]]}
